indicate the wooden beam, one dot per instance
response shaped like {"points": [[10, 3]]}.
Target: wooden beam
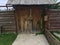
{"points": [[16, 21], [5, 6]]}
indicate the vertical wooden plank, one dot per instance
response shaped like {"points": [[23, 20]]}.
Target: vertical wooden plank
{"points": [[16, 21]]}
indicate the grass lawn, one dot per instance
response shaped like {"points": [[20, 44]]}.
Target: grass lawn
{"points": [[7, 39], [58, 32]]}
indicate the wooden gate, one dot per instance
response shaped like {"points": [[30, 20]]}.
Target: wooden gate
{"points": [[23, 15]]}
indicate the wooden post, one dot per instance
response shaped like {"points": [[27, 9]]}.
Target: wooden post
{"points": [[0, 29], [16, 21]]}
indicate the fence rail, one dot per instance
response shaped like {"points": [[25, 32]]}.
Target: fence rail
{"points": [[51, 39]]}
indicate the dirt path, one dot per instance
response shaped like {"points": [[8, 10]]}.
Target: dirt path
{"points": [[30, 39]]}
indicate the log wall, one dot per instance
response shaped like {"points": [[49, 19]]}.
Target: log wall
{"points": [[53, 19], [7, 21]]}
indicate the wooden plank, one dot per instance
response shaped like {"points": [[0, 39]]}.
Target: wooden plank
{"points": [[6, 13], [54, 19], [8, 31], [7, 20]]}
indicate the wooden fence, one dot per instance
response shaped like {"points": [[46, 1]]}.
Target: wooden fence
{"points": [[7, 21], [53, 24], [51, 39]]}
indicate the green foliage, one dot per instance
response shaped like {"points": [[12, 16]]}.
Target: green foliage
{"points": [[43, 22], [56, 32], [57, 6], [7, 39]]}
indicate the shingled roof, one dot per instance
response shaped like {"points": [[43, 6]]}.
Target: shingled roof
{"points": [[30, 2]]}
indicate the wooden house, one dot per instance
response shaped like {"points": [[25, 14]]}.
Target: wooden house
{"points": [[28, 14]]}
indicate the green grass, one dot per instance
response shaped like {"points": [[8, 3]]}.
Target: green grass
{"points": [[58, 32], [7, 39], [55, 35]]}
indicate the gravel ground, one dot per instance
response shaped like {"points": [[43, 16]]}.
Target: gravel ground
{"points": [[30, 39]]}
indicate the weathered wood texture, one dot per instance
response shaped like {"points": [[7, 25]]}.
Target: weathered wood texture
{"points": [[52, 40], [30, 2], [54, 19], [23, 13], [7, 21]]}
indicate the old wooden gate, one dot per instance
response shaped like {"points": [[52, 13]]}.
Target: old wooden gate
{"points": [[24, 21]]}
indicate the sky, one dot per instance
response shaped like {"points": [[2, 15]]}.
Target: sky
{"points": [[58, 1], [3, 2]]}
